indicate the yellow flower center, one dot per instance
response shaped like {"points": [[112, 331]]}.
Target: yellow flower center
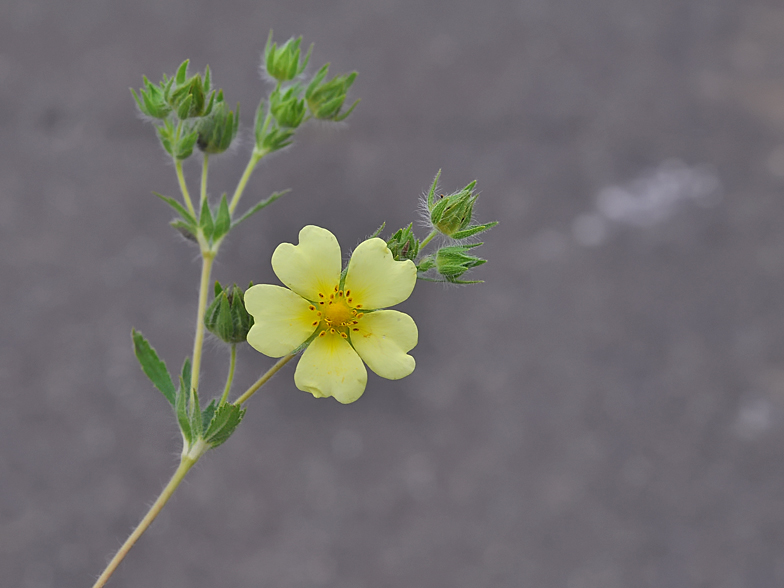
{"points": [[336, 314]]}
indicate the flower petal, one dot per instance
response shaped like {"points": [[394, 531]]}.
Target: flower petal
{"points": [[282, 319], [382, 341], [311, 267], [375, 279], [330, 367]]}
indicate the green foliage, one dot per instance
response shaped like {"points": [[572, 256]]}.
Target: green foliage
{"points": [[325, 98], [226, 317], [217, 130], [152, 366], [452, 262], [223, 424], [288, 107], [404, 244], [283, 63]]}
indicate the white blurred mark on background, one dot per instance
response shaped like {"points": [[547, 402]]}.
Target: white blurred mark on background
{"points": [[653, 198]]}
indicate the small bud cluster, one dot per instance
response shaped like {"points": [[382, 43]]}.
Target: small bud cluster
{"points": [[292, 103], [190, 113]]}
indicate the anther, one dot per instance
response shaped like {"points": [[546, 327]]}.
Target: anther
{"points": [[311, 307], [344, 335], [322, 333], [355, 329]]}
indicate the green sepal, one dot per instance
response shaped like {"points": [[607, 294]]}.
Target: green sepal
{"points": [[222, 219], [253, 210], [152, 366], [431, 193], [225, 421], [184, 108], [377, 232], [187, 216], [206, 223], [325, 99], [182, 72], [404, 244], [187, 230], [475, 230], [185, 145]]}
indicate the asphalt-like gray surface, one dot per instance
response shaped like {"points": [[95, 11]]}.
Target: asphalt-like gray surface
{"points": [[606, 411]]}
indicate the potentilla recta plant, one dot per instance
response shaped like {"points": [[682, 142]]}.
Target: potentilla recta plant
{"points": [[337, 320]]}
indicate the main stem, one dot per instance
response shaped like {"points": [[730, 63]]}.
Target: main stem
{"points": [[186, 464], [198, 342]]}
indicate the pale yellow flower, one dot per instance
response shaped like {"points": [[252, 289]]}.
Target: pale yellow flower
{"points": [[346, 325]]}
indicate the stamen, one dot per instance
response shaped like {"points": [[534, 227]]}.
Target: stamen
{"points": [[360, 315], [355, 329], [349, 299], [336, 288], [348, 292], [359, 306], [314, 323], [322, 333], [332, 330], [344, 335], [311, 307], [321, 295]]}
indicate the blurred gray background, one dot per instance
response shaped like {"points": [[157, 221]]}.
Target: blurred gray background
{"points": [[606, 411]]}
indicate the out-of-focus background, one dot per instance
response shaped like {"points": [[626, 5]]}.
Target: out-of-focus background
{"points": [[606, 411]]}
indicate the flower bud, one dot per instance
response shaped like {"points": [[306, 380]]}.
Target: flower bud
{"points": [[404, 244], [288, 108], [452, 262], [218, 129], [151, 100], [283, 63], [325, 99], [454, 212], [226, 317]]}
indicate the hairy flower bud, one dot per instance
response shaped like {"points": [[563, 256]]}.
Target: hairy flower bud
{"points": [[226, 317], [325, 99], [283, 63]]}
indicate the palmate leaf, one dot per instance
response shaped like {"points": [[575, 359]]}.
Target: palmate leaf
{"points": [[152, 366]]}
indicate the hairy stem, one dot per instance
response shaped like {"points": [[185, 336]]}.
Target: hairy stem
{"points": [[198, 341], [184, 187], [204, 166], [230, 377], [263, 379], [186, 463], [427, 239]]}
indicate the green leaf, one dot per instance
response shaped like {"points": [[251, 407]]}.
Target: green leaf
{"points": [[205, 219], [153, 367], [227, 418], [181, 409], [222, 219], [185, 375], [177, 207], [207, 414], [378, 230], [196, 424], [259, 206], [186, 230]]}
